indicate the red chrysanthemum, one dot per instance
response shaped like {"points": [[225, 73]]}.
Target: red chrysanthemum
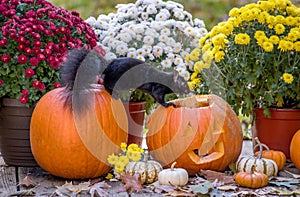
{"points": [[29, 72], [22, 59], [5, 58]]}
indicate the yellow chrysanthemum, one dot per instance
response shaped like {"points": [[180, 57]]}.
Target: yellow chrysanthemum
{"points": [[259, 34], [206, 47], [279, 19], [194, 83], [266, 5], [268, 46], [207, 57], [262, 17], [242, 39], [290, 20], [285, 45], [219, 56], [279, 29], [123, 159], [109, 176], [112, 159], [247, 15], [194, 55], [119, 167], [234, 12], [271, 21], [194, 75], [288, 78], [235, 21], [123, 146], [297, 46], [134, 156], [227, 29], [219, 40], [261, 40], [198, 66], [274, 39], [292, 36]]}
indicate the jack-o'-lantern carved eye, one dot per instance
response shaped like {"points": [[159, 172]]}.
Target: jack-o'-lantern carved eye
{"points": [[202, 132]]}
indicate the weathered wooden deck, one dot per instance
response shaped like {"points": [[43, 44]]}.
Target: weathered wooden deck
{"points": [[10, 177]]}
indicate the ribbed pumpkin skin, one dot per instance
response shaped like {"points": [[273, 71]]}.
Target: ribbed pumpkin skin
{"points": [[277, 156], [263, 165], [251, 180], [295, 149], [56, 144], [148, 170], [200, 125]]}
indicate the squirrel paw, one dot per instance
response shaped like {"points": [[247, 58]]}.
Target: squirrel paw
{"points": [[168, 104]]}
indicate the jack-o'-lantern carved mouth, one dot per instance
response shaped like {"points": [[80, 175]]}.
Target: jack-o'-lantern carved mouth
{"points": [[199, 158]]}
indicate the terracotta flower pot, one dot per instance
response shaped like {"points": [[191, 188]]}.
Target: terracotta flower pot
{"points": [[136, 114], [14, 133], [278, 130]]}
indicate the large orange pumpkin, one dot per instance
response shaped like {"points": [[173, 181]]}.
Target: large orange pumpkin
{"points": [[61, 149], [202, 132], [294, 149]]}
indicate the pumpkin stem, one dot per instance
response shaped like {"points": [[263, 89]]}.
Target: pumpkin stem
{"points": [[260, 148], [258, 143], [146, 155], [173, 165]]}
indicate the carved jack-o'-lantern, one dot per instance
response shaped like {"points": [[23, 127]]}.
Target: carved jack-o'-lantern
{"points": [[202, 132]]}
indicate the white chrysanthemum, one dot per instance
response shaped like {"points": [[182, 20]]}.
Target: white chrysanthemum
{"points": [[141, 51], [148, 40], [139, 28], [182, 25], [131, 54], [125, 37], [165, 31], [180, 68], [202, 31], [91, 20], [178, 13], [144, 15], [151, 9], [199, 23], [151, 32], [132, 50], [177, 47], [122, 49], [171, 41], [190, 31], [157, 51], [147, 48], [163, 38], [170, 23], [171, 56], [133, 12], [172, 3], [140, 57], [151, 57], [168, 49], [156, 25], [186, 75], [166, 63], [195, 43], [178, 61], [163, 15], [161, 45]]}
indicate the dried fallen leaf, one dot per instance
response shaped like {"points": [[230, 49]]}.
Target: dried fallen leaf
{"points": [[85, 186], [97, 189], [23, 193], [286, 192], [287, 184], [213, 175], [203, 188], [131, 183], [28, 182], [228, 188]]}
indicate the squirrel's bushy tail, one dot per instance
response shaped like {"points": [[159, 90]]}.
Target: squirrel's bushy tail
{"points": [[79, 75]]}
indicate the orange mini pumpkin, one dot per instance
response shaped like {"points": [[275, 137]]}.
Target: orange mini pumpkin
{"points": [[59, 147], [294, 149], [202, 132], [277, 156]]}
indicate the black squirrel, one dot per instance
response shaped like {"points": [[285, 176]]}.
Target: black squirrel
{"points": [[82, 67], [126, 73]]}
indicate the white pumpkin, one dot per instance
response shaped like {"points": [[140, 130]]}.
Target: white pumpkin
{"points": [[173, 176]]}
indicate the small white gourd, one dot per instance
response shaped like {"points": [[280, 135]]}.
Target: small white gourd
{"points": [[173, 176]]}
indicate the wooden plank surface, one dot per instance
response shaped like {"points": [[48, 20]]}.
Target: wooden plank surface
{"points": [[47, 183]]}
